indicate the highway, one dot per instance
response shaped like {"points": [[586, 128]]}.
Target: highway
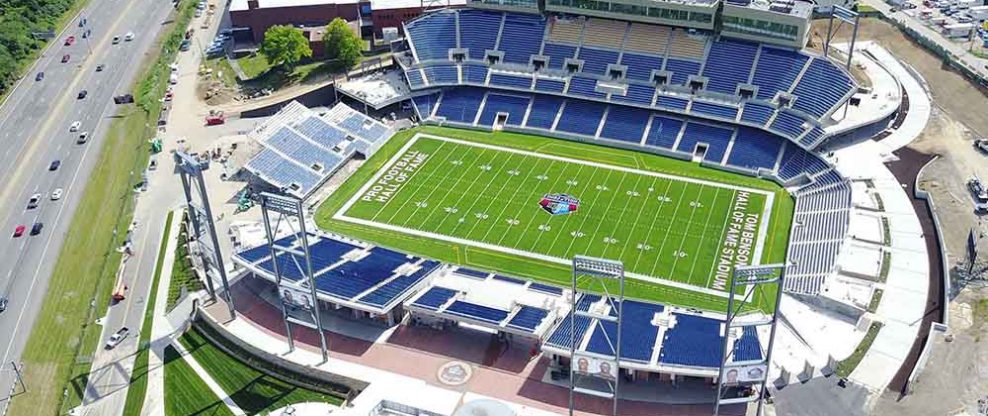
{"points": [[34, 131]]}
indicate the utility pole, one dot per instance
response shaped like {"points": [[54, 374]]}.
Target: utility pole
{"points": [[17, 373]]}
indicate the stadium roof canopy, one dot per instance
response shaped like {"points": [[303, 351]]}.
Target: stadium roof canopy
{"points": [[302, 148], [492, 301], [367, 278], [654, 337]]}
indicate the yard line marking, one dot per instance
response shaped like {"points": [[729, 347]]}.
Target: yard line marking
{"points": [[638, 217], [532, 219], [655, 216], [449, 189], [504, 207], [586, 187], [480, 196], [606, 210], [585, 218], [686, 234], [703, 236], [522, 163], [658, 254]]}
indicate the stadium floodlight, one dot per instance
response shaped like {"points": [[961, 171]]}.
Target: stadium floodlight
{"points": [[843, 15], [201, 216], [735, 376], [596, 369], [299, 301]]}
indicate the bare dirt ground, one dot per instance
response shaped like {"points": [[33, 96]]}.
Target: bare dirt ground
{"points": [[956, 376]]}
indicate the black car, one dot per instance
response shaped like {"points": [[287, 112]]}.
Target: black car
{"points": [[36, 228], [3, 304], [82, 94], [54, 165], [40, 76], [99, 68]]}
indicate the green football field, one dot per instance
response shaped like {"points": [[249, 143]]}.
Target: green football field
{"points": [[473, 198]]}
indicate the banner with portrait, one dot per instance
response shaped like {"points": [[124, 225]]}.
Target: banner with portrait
{"points": [[296, 297], [585, 365], [743, 374]]}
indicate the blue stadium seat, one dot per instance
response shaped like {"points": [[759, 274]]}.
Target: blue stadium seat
{"points": [[776, 70], [714, 110], [274, 168], [795, 161], [694, 341], [755, 149], [716, 138], [581, 117], [549, 85], [681, 70], [478, 31], [434, 298], [595, 61], [460, 104], [729, 64], [478, 312], [822, 86], [789, 124], [515, 106], [528, 318], [321, 132], [663, 132], [641, 66], [414, 78], [585, 87], [638, 94], [472, 273], [626, 124], [756, 113], [501, 80], [558, 54], [637, 333], [299, 148], [672, 103], [441, 74], [476, 74], [545, 108], [433, 35], [391, 291], [521, 37]]}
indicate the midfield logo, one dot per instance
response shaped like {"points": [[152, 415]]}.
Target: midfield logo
{"points": [[559, 204]]}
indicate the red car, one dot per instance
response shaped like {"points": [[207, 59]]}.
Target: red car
{"points": [[65, 58], [19, 231], [69, 40]]}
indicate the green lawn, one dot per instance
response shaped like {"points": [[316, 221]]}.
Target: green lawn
{"points": [[253, 391], [467, 196], [185, 393], [59, 350], [138, 378]]}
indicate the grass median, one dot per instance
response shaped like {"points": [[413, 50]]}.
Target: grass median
{"points": [[57, 357], [185, 392]]}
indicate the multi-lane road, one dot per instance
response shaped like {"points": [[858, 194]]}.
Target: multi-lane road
{"points": [[34, 131]]}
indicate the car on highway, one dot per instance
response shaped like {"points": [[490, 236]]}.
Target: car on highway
{"points": [[36, 228], [40, 76], [83, 138], [169, 95], [65, 58], [129, 36], [33, 202], [86, 34], [117, 338], [69, 40], [3, 304], [99, 68], [116, 40], [74, 127], [19, 230], [54, 165], [82, 94], [56, 194]]}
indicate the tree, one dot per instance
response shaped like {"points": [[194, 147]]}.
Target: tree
{"points": [[342, 44], [285, 46]]}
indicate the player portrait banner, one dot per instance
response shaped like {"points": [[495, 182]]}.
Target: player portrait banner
{"points": [[296, 297], [585, 365], [743, 374]]}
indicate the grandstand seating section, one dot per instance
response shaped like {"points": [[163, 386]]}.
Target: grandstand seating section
{"points": [[816, 84], [692, 341]]}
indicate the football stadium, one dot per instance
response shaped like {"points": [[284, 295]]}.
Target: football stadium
{"points": [[684, 141]]}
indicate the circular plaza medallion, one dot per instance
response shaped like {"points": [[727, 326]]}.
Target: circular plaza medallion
{"points": [[454, 373]]}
